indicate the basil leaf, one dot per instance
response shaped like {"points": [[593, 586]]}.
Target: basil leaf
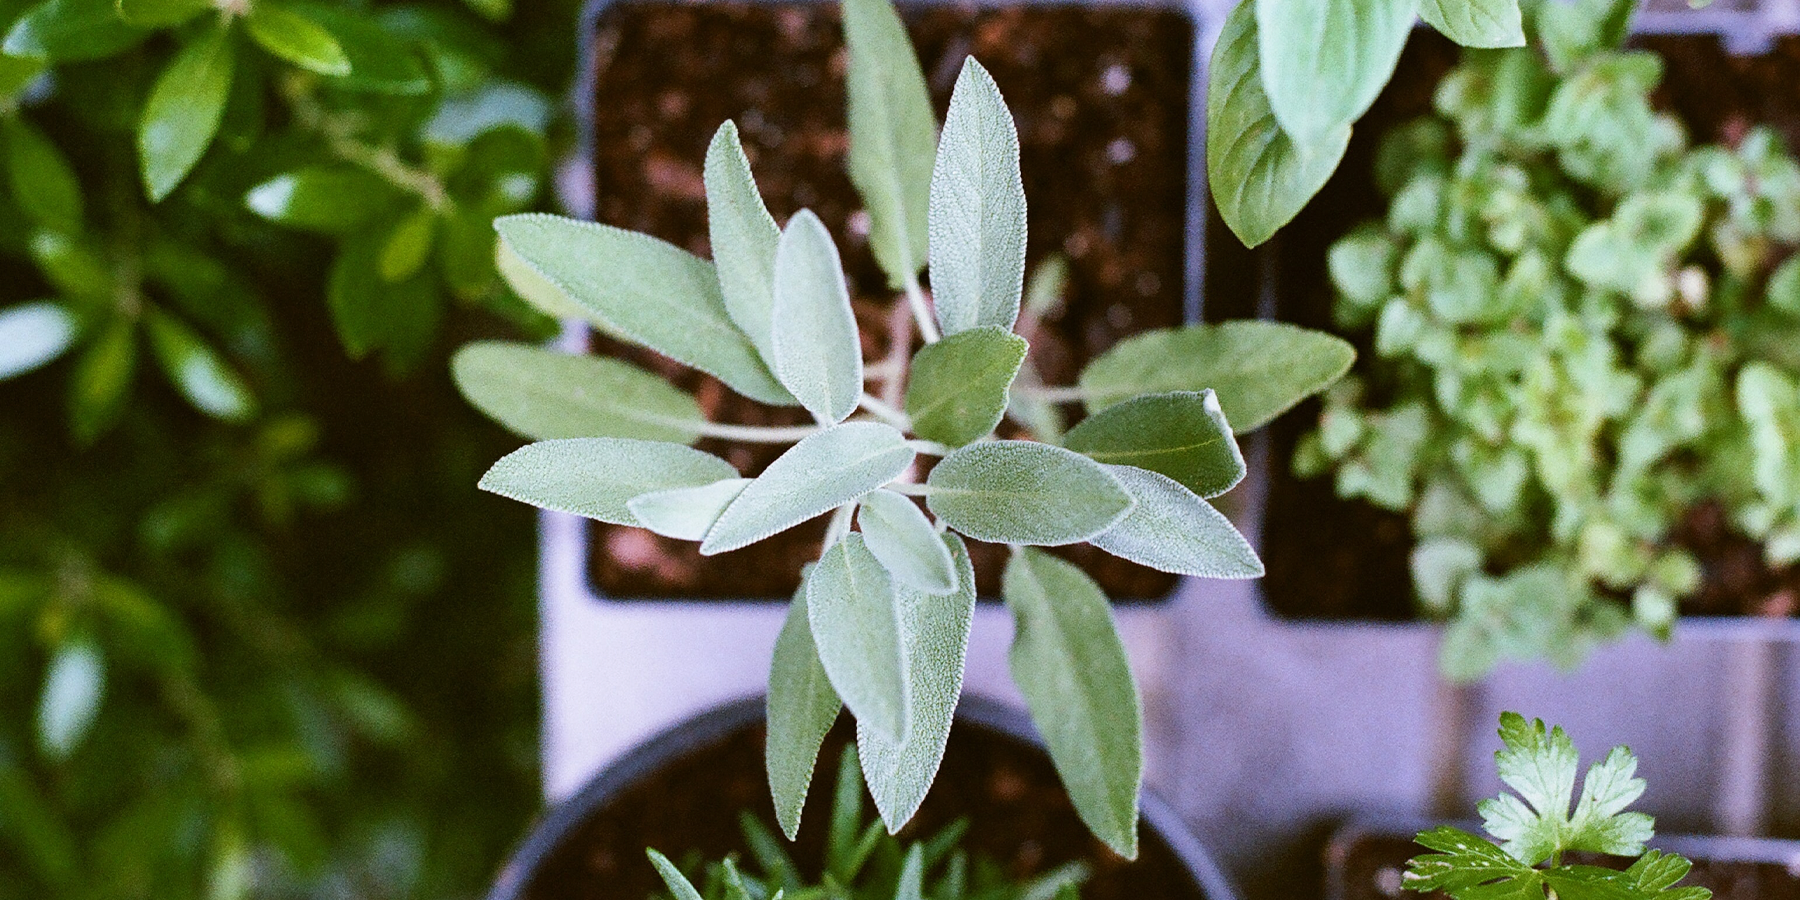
{"points": [[1069, 663], [597, 477], [1324, 61], [1024, 492], [1488, 24], [161, 13], [977, 210], [1261, 178]]}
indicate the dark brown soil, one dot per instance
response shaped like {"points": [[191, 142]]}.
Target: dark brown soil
{"points": [[1101, 101], [1337, 559], [1369, 866], [1018, 812]]}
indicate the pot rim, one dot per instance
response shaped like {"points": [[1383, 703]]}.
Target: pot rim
{"points": [[719, 722]]}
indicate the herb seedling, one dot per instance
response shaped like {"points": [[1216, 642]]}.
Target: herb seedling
{"points": [[1583, 331], [882, 622], [863, 863], [1536, 829]]}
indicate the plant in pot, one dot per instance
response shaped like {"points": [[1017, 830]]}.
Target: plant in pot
{"points": [[1581, 394], [1547, 842], [881, 622]]}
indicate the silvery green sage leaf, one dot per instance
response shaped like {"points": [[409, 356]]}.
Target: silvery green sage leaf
{"points": [[686, 513], [677, 883], [1476, 23], [818, 354], [533, 287], [31, 335], [1069, 663], [977, 210], [802, 707], [1258, 369], [597, 477], [1324, 61], [957, 392], [1260, 177], [647, 291], [744, 237], [855, 618], [1181, 434], [1024, 492], [818, 474], [893, 136], [900, 536], [1172, 530], [542, 394], [936, 629]]}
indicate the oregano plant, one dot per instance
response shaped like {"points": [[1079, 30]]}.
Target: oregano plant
{"points": [[1536, 829], [1290, 77], [967, 428]]}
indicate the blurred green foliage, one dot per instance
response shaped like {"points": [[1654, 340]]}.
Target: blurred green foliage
{"points": [[1584, 329], [257, 635]]}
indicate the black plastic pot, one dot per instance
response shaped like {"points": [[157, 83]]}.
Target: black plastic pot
{"points": [[1161, 827]]}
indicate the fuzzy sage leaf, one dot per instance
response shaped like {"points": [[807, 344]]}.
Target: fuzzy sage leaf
{"points": [[1258, 369], [959, 385], [977, 210], [1488, 24], [1171, 529], [802, 706], [903, 540], [1324, 61], [1023, 492], [597, 477], [893, 136], [1069, 663], [936, 630], [541, 394], [852, 608], [818, 474], [818, 355], [1260, 177], [647, 291], [1181, 434], [744, 237], [678, 884], [686, 513]]}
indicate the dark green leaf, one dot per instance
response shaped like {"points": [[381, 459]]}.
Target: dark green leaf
{"points": [[1069, 663], [71, 31], [408, 246], [183, 112], [958, 388], [332, 199], [380, 62], [102, 381], [1258, 369], [1260, 177], [43, 183], [372, 313], [296, 38], [1181, 434]]}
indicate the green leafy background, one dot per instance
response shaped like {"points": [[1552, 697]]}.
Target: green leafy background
{"points": [[260, 636]]}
